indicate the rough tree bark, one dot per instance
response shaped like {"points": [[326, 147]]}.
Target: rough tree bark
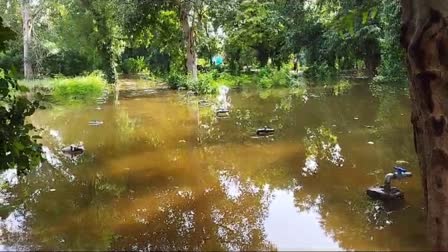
{"points": [[27, 39], [189, 38], [424, 35]]}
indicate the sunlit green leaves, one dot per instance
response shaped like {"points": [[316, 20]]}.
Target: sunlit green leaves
{"points": [[18, 148]]}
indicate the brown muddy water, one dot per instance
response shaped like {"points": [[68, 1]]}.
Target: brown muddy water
{"points": [[163, 173]]}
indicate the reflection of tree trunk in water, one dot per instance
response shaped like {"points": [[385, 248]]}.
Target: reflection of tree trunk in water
{"points": [[117, 94], [189, 38], [425, 38], [88, 193], [203, 236], [27, 39]]}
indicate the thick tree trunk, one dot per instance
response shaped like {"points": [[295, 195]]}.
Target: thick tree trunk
{"points": [[425, 38], [27, 39], [109, 59], [190, 40]]}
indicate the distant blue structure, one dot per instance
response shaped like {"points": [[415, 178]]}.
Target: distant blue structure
{"points": [[217, 60]]}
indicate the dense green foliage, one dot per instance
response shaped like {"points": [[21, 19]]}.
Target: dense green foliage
{"points": [[391, 68], [325, 38], [210, 81], [5, 35], [18, 146]]}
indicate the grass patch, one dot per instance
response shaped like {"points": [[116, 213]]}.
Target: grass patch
{"points": [[62, 90], [209, 82], [78, 89]]}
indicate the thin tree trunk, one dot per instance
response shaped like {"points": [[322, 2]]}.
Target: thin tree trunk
{"points": [[425, 38], [190, 40], [27, 39]]}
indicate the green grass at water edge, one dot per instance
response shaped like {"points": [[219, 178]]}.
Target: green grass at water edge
{"points": [[83, 89], [209, 82]]}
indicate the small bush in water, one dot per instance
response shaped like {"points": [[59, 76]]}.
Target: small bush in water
{"points": [[176, 80], [69, 90], [86, 88], [134, 65], [273, 78]]}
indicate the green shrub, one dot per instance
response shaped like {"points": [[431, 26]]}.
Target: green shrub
{"points": [[134, 65], [67, 63], [209, 82], [264, 82], [321, 72], [273, 78], [12, 60], [205, 85], [264, 72], [244, 80], [214, 79], [281, 78], [65, 90], [176, 80], [78, 89], [392, 69]]}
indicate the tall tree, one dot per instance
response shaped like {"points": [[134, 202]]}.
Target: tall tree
{"points": [[31, 21], [102, 13], [187, 14], [257, 26], [27, 39], [425, 38], [190, 13]]}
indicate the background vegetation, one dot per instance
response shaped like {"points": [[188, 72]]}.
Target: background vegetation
{"points": [[259, 40], [69, 50], [63, 90]]}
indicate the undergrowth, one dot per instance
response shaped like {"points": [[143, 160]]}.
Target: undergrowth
{"points": [[63, 90]]}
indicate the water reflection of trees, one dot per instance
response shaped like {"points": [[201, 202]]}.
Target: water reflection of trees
{"points": [[357, 223], [208, 196], [321, 145], [206, 219], [339, 194], [97, 211]]}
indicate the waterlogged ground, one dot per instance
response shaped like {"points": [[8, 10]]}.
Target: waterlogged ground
{"points": [[162, 173]]}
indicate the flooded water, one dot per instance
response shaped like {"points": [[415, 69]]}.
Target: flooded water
{"points": [[163, 173]]}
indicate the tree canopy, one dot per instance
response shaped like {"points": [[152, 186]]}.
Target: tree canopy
{"points": [[326, 37]]}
